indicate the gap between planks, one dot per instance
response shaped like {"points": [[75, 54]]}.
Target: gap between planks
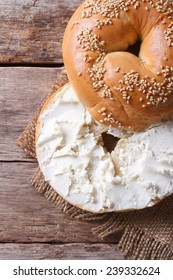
{"points": [[18, 160], [34, 65]]}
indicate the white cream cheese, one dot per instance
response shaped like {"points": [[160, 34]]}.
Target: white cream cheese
{"points": [[137, 174]]}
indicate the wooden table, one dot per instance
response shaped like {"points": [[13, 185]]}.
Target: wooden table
{"points": [[31, 227]]}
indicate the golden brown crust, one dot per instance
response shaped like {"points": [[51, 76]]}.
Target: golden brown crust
{"points": [[117, 87]]}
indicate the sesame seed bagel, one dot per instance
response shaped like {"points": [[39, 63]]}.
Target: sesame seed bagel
{"points": [[118, 88]]}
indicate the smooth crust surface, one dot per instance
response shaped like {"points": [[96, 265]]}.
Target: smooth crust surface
{"points": [[134, 92]]}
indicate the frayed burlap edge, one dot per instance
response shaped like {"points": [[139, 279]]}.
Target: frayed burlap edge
{"points": [[135, 243], [27, 138]]}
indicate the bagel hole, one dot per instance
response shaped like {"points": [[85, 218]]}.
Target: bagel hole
{"points": [[109, 141], [135, 49]]}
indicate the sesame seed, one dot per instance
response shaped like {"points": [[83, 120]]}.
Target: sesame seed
{"points": [[75, 22], [117, 69]]}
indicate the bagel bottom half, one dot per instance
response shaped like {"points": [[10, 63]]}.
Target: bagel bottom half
{"points": [[136, 174]]}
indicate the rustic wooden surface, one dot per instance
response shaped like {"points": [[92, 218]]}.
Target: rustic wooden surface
{"points": [[30, 226], [68, 251], [32, 30]]}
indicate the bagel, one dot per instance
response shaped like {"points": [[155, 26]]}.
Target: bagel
{"points": [[136, 174], [136, 91]]}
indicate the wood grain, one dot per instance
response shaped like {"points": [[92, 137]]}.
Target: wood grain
{"points": [[77, 251], [21, 92], [26, 216], [31, 31]]}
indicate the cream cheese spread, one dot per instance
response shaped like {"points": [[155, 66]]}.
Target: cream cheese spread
{"points": [[70, 152]]}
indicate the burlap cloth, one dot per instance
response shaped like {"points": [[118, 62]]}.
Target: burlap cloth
{"points": [[147, 233]]}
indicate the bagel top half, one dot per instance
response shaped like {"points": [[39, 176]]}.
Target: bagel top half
{"points": [[118, 88]]}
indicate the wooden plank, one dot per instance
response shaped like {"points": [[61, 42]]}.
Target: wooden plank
{"points": [[21, 92], [77, 251], [32, 30], [26, 216]]}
